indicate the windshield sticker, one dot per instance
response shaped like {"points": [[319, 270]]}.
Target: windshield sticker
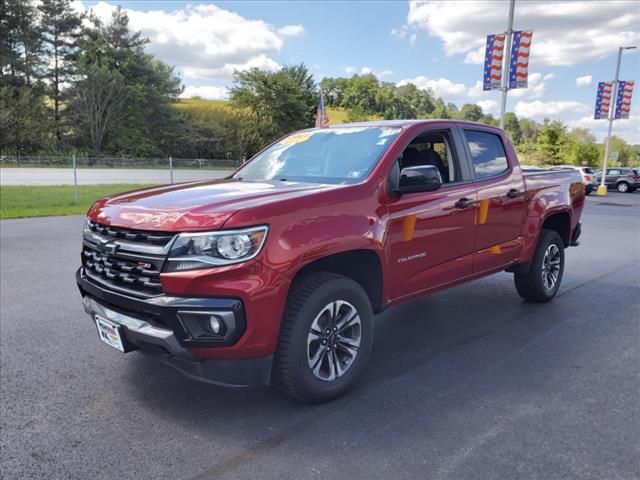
{"points": [[355, 174], [297, 138]]}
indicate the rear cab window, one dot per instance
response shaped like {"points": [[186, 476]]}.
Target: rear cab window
{"points": [[487, 154]]}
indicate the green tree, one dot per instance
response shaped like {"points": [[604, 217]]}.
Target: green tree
{"points": [[471, 112], [281, 101], [356, 114], [361, 92], [551, 140], [25, 126], [512, 128], [581, 148], [131, 90], [60, 25]]}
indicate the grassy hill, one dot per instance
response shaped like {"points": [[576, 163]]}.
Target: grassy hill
{"points": [[336, 115]]}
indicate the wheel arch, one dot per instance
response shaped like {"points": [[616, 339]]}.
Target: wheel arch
{"points": [[559, 222], [361, 265]]}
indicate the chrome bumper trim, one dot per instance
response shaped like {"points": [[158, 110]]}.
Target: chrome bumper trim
{"points": [[138, 329]]}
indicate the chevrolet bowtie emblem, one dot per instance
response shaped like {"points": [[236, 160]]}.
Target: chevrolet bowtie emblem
{"points": [[108, 247]]}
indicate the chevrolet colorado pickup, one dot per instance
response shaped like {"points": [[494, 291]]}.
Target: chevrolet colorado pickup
{"points": [[274, 274]]}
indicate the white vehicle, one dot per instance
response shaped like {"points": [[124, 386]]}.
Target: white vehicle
{"points": [[587, 174]]}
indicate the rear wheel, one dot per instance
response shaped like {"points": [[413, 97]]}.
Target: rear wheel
{"points": [[325, 339], [623, 187], [542, 281]]}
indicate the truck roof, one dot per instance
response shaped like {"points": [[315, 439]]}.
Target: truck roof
{"points": [[409, 123]]}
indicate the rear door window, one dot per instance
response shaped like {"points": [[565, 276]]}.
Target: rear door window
{"points": [[487, 153]]}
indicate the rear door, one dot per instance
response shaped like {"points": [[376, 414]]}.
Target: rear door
{"points": [[431, 234], [501, 198]]}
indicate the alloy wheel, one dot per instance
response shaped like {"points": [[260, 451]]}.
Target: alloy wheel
{"points": [[551, 267], [333, 340]]}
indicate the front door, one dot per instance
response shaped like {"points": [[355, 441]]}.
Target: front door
{"points": [[431, 234]]}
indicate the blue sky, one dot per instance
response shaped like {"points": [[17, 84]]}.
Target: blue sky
{"points": [[436, 45]]}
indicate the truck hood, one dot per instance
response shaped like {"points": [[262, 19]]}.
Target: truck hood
{"points": [[194, 206]]}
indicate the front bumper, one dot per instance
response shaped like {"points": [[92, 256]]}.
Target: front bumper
{"points": [[154, 327]]}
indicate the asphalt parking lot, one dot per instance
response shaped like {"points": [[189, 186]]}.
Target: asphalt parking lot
{"points": [[471, 383]]}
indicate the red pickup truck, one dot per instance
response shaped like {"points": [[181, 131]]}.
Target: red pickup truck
{"points": [[274, 274]]}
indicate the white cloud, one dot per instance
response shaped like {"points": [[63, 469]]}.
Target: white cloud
{"points": [[441, 87], [537, 87], [291, 31], [584, 81], [208, 92], [350, 70], [627, 128], [226, 71], [488, 106], [565, 33], [205, 41], [413, 38], [538, 109], [399, 32]]}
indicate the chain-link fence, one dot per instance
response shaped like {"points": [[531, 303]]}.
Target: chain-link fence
{"points": [[91, 170]]}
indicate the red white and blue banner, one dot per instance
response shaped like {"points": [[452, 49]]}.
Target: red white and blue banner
{"points": [[519, 62], [493, 62], [322, 119], [623, 102], [603, 100]]}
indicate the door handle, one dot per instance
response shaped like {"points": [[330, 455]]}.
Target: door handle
{"points": [[464, 203], [513, 193]]}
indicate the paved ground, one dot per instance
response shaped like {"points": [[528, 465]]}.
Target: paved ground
{"points": [[94, 176], [471, 383]]}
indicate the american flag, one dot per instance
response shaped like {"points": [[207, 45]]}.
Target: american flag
{"points": [[493, 61], [519, 62], [623, 102], [322, 119], [603, 100]]}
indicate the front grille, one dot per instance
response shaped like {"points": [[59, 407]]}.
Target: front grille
{"points": [[125, 260]]}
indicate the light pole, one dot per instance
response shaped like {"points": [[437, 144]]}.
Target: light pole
{"points": [[506, 61], [602, 188]]}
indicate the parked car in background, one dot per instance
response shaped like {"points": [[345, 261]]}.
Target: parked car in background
{"points": [[587, 174], [623, 179]]}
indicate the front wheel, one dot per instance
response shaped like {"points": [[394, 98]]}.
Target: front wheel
{"points": [[623, 187], [542, 281], [325, 338]]}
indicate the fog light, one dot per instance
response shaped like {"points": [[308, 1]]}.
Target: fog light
{"points": [[215, 325]]}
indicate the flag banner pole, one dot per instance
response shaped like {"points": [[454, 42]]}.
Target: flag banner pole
{"points": [[506, 64]]}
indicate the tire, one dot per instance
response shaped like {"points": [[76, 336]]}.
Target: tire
{"points": [[312, 303], [622, 187], [535, 284]]}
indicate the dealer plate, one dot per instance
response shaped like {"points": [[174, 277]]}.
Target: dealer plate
{"points": [[110, 333]]}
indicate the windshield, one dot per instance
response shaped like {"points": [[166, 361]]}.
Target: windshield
{"points": [[330, 155]]}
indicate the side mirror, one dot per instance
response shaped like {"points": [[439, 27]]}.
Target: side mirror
{"points": [[424, 178]]}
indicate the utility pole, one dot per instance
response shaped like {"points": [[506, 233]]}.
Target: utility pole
{"points": [[506, 60], [602, 188]]}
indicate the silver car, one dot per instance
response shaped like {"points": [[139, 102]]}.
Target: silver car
{"points": [[587, 174]]}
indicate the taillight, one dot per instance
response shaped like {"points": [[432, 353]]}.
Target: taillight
{"points": [[587, 178]]}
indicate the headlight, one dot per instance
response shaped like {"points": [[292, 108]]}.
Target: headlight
{"points": [[209, 249]]}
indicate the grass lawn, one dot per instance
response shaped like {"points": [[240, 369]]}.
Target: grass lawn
{"points": [[17, 201]]}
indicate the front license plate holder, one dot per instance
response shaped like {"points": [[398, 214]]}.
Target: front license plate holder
{"points": [[111, 333]]}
